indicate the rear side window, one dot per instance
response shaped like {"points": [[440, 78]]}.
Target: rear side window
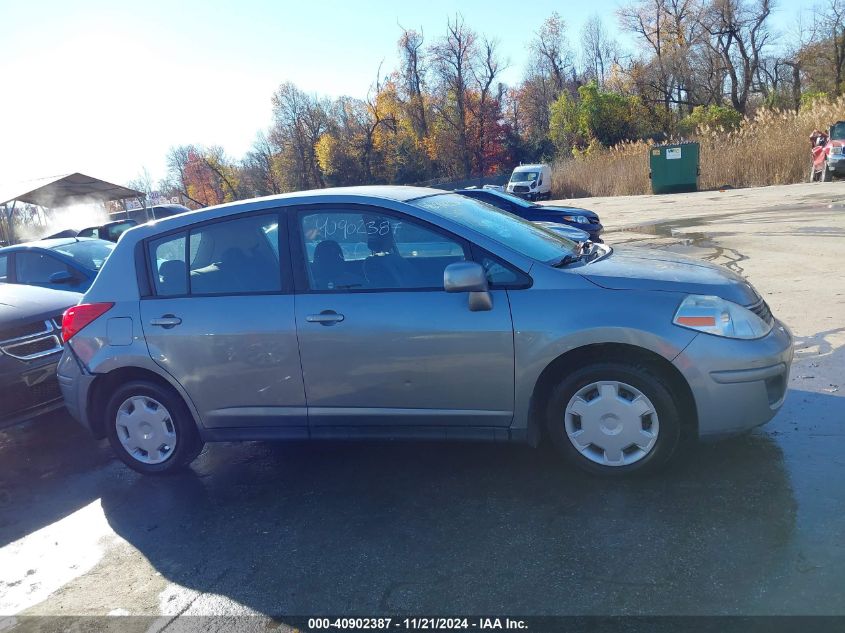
{"points": [[114, 231], [236, 256], [230, 257], [4, 267]]}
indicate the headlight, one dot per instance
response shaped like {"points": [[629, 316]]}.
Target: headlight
{"points": [[714, 315], [578, 219], [836, 150]]}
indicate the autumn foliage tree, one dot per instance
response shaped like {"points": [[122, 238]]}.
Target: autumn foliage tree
{"points": [[444, 114]]}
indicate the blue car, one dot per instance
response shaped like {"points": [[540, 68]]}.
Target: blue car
{"points": [[572, 216], [569, 232], [61, 264]]}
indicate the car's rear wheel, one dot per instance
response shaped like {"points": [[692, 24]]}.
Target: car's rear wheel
{"points": [[614, 418], [150, 428]]}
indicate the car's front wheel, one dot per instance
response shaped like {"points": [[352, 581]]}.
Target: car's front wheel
{"points": [[614, 418], [151, 429]]}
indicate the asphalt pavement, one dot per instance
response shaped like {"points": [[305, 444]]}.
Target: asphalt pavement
{"points": [[751, 525]]}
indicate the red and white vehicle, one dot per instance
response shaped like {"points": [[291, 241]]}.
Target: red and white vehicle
{"points": [[828, 153]]}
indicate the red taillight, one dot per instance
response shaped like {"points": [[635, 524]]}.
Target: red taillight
{"points": [[77, 317]]}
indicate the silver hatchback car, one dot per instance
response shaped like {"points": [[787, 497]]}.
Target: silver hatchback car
{"points": [[407, 313]]}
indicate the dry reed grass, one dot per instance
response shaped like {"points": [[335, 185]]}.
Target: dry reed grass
{"points": [[770, 148]]}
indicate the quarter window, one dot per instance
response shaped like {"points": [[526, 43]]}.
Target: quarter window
{"points": [[4, 267], [370, 251], [499, 275], [167, 256]]}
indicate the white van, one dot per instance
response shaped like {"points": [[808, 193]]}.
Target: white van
{"points": [[531, 181]]}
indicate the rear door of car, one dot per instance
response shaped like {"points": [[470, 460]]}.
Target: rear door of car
{"points": [[382, 344], [220, 320]]}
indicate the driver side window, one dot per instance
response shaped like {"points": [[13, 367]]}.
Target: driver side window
{"points": [[348, 251]]}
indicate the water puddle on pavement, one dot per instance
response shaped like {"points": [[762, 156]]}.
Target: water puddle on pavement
{"points": [[672, 235]]}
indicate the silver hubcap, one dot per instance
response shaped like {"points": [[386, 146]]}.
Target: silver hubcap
{"points": [[145, 429], [611, 423]]}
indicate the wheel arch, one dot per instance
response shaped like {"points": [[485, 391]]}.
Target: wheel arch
{"points": [[105, 384], [620, 352]]}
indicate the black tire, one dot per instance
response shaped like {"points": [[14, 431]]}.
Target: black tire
{"points": [[641, 377], [188, 443]]}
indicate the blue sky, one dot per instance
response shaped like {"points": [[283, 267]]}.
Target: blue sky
{"points": [[105, 87]]}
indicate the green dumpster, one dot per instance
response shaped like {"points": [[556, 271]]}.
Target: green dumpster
{"points": [[674, 168]]}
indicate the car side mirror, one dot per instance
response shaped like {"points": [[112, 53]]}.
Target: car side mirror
{"points": [[61, 277], [540, 182], [469, 277]]}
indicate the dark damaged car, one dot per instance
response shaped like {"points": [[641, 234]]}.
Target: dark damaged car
{"points": [[30, 348]]}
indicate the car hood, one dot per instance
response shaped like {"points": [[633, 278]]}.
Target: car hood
{"points": [[631, 268], [547, 208], [21, 304], [567, 231]]}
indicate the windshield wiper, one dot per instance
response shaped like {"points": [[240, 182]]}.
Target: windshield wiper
{"points": [[585, 251], [567, 259]]}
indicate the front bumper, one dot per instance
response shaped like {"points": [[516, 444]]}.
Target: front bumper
{"points": [[27, 389], [836, 164], [737, 384], [527, 195]]}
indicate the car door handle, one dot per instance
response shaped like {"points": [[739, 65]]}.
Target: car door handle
{"points": [[326, 317], [167, 321]]}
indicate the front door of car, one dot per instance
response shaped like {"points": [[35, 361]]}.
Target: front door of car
{"points": [[221, 322], [37, 268], [382, 343]]}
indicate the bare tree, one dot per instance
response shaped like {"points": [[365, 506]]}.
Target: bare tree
{"points": [[739, 34], [489, 66], [452, 58], [828, 40], [412, 71], [259, 166], [551, 46], [598, 50], [670, 31], [299, 120]]}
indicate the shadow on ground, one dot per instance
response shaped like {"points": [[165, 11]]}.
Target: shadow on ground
{"points": [[378, 528], [741, 526]]}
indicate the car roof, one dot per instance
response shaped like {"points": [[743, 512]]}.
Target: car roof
{"points": [[504, 195], [56, 242], [527, 167], [399, 193], [114, 222], [367, 194]]}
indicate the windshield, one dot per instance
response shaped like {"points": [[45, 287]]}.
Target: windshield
{"points": [[524, 237], [524, 176], [512, 199], [90, 254], [837, 131]]}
